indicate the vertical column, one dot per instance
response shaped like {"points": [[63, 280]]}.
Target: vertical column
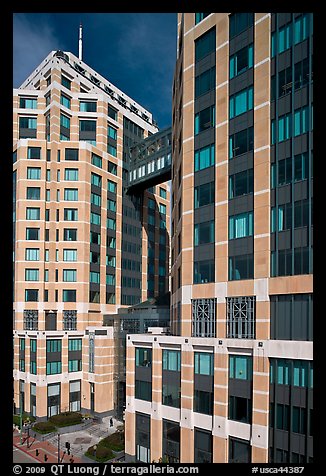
{"points": [[220, 450], [262, 147], [65, 375], [260, 406], [187, 396], [41, 401], [130, 417], [156, 420]]}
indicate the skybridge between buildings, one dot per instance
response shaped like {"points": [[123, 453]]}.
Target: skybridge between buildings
{"points": [[150, 161]]}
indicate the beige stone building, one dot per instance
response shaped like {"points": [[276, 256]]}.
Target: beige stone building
{"points": [[233, 381], [81, 243]]}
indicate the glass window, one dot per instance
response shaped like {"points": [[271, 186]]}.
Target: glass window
{"points": [[70, 275], [241, 102], [111, 224], [112, 168], [204, 363], [113, 113], [96, 199], [241, 142], [111, 205], [71, 175], [32, 213], [204, 233], [70, 234], [200, 16], [32, 254], [87, 106], [204, 271], [110, 279], [31, 275], [64, 121], [71, 194], [32, 233], [204, 157], [112, 150], [112, 186], [204, 119], [34, 173], [240, 22], [205, 82], [241, 61], [241, 225], [71, 154], [33, 193], [171, 360], [70, 214], [65, 82], [95, 219], [96, 180], [94, 277], [69, 295], [96, 160], [28, 103], [241, 183], [301, 28], [31, 295], [240, 367], [69, 255], [112, 133], [205, 44], [283, 372], [162, 209], [65, 101]]}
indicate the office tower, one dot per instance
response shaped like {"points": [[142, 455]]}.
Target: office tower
{"points": [[233, 383], [81, 243]]}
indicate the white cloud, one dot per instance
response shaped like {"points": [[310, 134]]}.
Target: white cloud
{"points": [[31, 45]]}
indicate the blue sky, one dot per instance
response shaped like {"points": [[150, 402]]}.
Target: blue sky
{"points": [[134, 51]]}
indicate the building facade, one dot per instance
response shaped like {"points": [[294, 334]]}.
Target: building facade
{"points": [[81, 242], [234, 381]]}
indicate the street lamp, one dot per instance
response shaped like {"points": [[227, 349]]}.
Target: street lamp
{"points": [[28, 426], [95, 448]]}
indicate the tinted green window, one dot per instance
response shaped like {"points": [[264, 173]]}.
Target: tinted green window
{"points": [[34, 173], [71, 175], [240, 367], [205, 45], [88, 106], [205, 82], [241, 225], [241, 102], [171, 360], [65, 101], [204, 233], [204, 363], [205, 157], [96, 160]]}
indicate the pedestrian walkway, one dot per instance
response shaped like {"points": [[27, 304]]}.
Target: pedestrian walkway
{"points": [[79, 441], [42, 451]]}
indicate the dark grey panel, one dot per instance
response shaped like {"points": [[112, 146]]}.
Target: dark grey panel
{"points": [[96, 189], [273, 238], [203, 214], [204, 101], [273, 66], [94, 267], [94, 287], [284, 105], [301, 51], [301, 190], [87, 135], [300, 144], [206, 63], [242, 81], [284, 240], [241, 163], [204, 252], [273, 110], [273, 22], [284, 194], [95, 228], [95, 247], [281, 439], [241, 246], [27, 133], [283, 19], [144, 374], [273, 197], [169, 376], [240, 41], [205, 138], [110, 288], [301, 97], [74, 354], [101, 332], [53, 356], [204, 383], [204, 176], [284, 60], [112, 141], [241, 204], [240, 388], [241, 122], [282, 394]]}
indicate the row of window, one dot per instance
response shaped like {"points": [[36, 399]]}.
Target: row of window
{"points": [[33, 254], [289, 125], [240, 226], [68, 275], [290, 34]]}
